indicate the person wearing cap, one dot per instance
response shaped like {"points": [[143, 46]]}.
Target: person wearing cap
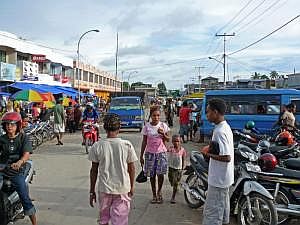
{"points": [[59, 121], [15, 151]]}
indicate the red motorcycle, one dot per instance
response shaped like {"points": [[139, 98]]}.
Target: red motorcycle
{"points": [[90, 134]]}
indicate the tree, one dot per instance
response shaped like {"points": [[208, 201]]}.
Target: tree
{"points": [[273, 75], [125, 86], [255, 76], [162, 90], [264, 77]]}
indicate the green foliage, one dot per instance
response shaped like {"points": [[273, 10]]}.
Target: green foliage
{"points": [[274, 75], [162, 90]]}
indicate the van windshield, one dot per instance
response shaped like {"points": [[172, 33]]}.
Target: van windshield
{"points": [[128, 103]]}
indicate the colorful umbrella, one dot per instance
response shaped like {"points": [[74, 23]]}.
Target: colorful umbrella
{"points": [[49, 96], [67, 100], [28, 95], [49, 104]]}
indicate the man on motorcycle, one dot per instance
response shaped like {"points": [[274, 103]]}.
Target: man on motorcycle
{"points": [[90, 114], [15, 151]]}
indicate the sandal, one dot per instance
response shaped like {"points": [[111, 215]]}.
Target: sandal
{"points": [[173, 201], [154, 200], [160, 199]]}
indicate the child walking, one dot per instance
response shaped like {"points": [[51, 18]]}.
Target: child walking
{"points": [[114, 158], [176, 155]]}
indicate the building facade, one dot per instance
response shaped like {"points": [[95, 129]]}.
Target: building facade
{"points": [[25, 61], [94, 81]]}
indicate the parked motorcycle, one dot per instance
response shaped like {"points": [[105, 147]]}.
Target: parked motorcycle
{"points": [[249, 200], [90, 135], [10, 205], [281, 179]]}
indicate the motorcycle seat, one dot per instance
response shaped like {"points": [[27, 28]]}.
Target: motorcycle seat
{"points": [[287, 173], [293, 164], [251, 145], [280, 151]]}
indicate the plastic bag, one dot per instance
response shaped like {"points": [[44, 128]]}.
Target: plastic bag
{"points": [[141, 178]]}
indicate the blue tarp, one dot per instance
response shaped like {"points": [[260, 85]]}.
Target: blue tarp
{"points": [[41, 88], [44, 88], [5, 94]]}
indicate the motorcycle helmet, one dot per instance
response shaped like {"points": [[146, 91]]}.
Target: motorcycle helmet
{"points": [[89, 105], [250, 125], [267, 162], [284, 139], [12, 117]]}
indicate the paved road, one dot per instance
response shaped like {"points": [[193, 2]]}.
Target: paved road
{"points": [[61, 189]]}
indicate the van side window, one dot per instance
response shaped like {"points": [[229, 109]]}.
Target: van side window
{"points": [[249, 104]]}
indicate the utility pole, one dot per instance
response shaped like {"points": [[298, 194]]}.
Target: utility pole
{"points": [[117, 52], [199, 75], [224, 54]]}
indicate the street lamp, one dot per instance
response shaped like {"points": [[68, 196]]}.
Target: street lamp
{"points": [[223, 63], [129, 77], [78, 61]]}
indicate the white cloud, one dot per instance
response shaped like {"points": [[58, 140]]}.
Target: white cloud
{"points": [[159, 32]]}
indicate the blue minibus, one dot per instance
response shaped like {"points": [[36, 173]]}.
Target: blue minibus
{"points": [[259, 105], [130, 110]]}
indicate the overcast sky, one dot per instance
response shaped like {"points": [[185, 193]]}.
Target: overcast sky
{"points": [[164, 40]]}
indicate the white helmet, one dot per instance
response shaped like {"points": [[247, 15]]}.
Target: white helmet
{"points": [[90, 104]]}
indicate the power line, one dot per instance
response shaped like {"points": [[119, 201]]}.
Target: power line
{"points": [[236, 15], [257, 67], [248, 46], [165, 64], [259, 16], [245, 17], [271, 13]]}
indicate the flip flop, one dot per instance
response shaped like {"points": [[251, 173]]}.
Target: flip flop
{"points": [[154, 200], [173, 201], [160, 199]]}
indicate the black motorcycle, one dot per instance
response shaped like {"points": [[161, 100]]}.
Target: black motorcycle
{"points": [[10, 205], [249, 200], [284, 185]]}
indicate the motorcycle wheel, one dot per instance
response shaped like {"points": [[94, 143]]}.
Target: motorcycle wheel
{"points": [[283, 199], [3, 213], [88, 144], [259, 206], [192, 180]]}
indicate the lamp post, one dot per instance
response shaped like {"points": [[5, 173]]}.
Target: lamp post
{"points": [[129, 77], [78, 61], [224, 69]]}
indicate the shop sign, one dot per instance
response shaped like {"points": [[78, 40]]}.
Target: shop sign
{"points": [[30, 71], [7, 71], [38, 58]]}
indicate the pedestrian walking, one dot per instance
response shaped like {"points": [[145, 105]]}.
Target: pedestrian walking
{"points": [[221, 167], [155, 134], [184, 121], [70, 118], [169, 112], [77, 115], [113, 163], [176, 163], [59, 121]]}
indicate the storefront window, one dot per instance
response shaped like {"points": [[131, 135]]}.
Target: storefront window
{"points": [[91, 80], [2, 56]]}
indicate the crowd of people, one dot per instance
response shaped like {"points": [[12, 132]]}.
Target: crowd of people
{"points": [[157, 157]]}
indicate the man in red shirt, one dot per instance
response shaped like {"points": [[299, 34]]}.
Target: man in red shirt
{"points": [[184, 120]]}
